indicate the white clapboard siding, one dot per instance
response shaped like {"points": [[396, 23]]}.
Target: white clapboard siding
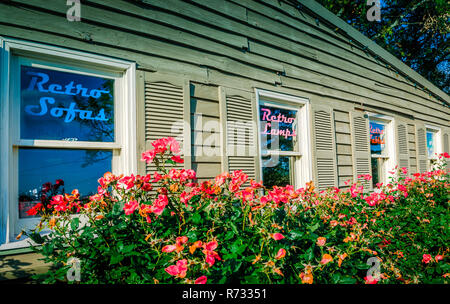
{"points": [[238, 115], [422, 147], [402, 144], [165, 113], [361, 147], [325, 147]]}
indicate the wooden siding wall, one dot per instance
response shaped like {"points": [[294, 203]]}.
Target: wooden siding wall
{"points": [[343, 147], [205, 131], [239, 44]]}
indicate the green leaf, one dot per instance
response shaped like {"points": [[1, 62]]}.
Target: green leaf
{"points": [[309, 254], [196, 218], [75, 223], [37, 238], [347, 280], [116, 258], [296, 235], [314, 227], [233, 226]]}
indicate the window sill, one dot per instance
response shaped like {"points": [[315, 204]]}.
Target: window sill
{"points": [[18, 245]]}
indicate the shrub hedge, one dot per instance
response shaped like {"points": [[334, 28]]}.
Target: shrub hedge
{"points": [[166, 228]]}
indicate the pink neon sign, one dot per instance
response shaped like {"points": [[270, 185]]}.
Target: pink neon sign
{"points": [[280, 119]]}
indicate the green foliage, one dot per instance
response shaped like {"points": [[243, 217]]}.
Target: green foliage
{"points": [[180, 231], [415, 31]]}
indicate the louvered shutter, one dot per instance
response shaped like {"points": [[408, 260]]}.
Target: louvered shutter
{"points": [[166, 113], [422, 147], [325, 147], [361, 147], [402, 144], [412, 146], [238, 115], [446, 147]]}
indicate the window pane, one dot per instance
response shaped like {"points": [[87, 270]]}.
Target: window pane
{"points": [[277, 170], [77, 169], [430, 144], [376, 171], [377, 138], [58, 105], [278, 128]]}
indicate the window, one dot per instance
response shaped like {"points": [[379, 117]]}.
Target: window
{"points": [[433, 145], [381, 147], [284, 139], [70, 120]]}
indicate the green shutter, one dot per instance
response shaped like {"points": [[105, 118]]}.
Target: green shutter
{"points": [[422, 147], [164, 113], [402, 144], [238, 115], [361, 147], [325, 147]]}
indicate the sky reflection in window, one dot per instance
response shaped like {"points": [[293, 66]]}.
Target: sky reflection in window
{"points": [[78, 169]]}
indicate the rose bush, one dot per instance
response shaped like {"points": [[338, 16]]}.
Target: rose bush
{"points": [[166, 228]]}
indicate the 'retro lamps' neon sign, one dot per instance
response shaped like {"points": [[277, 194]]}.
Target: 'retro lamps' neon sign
{"points": [[280, 118], [377, 135]]}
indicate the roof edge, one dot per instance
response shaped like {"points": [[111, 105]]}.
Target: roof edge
{"points": [[372, 46]]}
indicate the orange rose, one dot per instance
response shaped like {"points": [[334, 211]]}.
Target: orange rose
{"points": [[326, 258], [321, 241], [281, 254], [307, 278]]}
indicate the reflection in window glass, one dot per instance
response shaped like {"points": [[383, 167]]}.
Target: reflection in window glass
{"points": [[430, 144], [59, 105], [377, 138], [70, 169], [278, 128], [277, 171], [376, 170]]}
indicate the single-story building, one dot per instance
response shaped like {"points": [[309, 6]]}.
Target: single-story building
{"points": [[281, 89]]}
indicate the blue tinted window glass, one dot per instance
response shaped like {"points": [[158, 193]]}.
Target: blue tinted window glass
{"points": [[377, 138], [430, 144], [72, 169], [59, 105], [278, 128]]}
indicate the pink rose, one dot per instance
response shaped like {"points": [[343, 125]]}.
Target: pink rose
{"points": [[426, 258]]}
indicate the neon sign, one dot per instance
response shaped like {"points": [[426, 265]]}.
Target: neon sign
{"points": [[377, 137], [280, 118], [69, 89], [57, 88], [71, 111], [57, 104]]}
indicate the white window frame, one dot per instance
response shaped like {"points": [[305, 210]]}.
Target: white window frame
{"points": [[437, 142], [14, 51], [303, 161], [390, 155]]}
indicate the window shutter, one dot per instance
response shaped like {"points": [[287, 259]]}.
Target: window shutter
{"points": [[361, 147], [422, 147], [402, 144], [446, 147], [412, 146], [164, 112], [240, 142], [325, 147]]}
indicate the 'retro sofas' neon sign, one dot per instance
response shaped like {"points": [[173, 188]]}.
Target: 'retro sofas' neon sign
{"points": [[40, 79]]}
